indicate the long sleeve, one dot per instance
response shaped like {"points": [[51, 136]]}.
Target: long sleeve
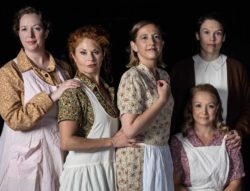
{"points": [[239, 97], [17, 115]]}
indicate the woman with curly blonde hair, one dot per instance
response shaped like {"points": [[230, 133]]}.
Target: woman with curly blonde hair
{"points": [[202, 160]]}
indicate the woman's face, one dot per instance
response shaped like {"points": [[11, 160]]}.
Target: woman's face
{"points": [[148, 43], [88, 57], [204, 108], [31, 32], [211, 36]]}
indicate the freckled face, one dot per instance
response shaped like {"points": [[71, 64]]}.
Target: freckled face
{"points": [[88, 57]]}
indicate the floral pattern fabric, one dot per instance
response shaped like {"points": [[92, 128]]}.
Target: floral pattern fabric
{"points": [[180, 160], [138, 91], [74, 105]]}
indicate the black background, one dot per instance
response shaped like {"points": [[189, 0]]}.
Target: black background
{"points": [[176, 18]]}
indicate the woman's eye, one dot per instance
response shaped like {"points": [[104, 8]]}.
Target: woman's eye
{"points": [[212, 106], [96, 52], [157, 37], [197, 105], [38, 28], [83, 53], [219, 33], [206, 32]]}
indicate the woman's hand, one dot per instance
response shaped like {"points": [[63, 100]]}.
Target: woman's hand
{"points": [[163, 89], [233, 139], [73, 83], [120, 139]]}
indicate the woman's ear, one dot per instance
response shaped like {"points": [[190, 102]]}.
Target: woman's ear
{"points": [[46, 34], [73, 57], [197, 36], [133, 46], [224, 38]]}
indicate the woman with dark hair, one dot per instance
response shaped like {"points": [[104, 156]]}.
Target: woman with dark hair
{"points": [[211, 66], [226, 74]]}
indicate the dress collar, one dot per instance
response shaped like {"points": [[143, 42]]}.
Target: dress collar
{"points": [[216, 64], [25, 64], [146, 70], [92, 85]]}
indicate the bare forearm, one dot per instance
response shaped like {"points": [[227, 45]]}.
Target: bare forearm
{"points": [[234, 185], [75, 143], [140, 123]]}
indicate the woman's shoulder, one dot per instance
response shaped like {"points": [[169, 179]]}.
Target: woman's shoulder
{"points": [[10, 69], [234, 63], [74, 91], [9, 65], [130, 73], [131, 70]]}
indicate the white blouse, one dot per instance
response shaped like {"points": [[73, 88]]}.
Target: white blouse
{"points": [[215, 73]]}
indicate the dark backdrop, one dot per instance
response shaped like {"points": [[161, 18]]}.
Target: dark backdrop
{"points": [[176, 18]]}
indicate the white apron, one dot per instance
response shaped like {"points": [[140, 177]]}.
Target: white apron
{"points": [[209, 165], [92, 170], [157, 168], [32, 160]]}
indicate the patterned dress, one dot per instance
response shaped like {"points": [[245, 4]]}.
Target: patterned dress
{"points": [[181, 164], [138, 91]]}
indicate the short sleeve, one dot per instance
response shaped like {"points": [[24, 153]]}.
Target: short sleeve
{"points": [[69, 106], [130, 93]]}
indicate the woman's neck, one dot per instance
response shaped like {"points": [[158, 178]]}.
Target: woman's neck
{"points": [[93, 77], [208, 56], [204, 133], [152, 66], [39, 59]]}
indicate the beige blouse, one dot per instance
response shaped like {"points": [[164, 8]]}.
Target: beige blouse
{"points": [[137, 92]]}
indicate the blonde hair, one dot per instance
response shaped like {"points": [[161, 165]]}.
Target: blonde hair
{"points": [[188, 113], [133, 58]]}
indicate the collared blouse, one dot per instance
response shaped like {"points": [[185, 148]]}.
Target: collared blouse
{"points": [[17, 115], [74, 104], [138, 91]]}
